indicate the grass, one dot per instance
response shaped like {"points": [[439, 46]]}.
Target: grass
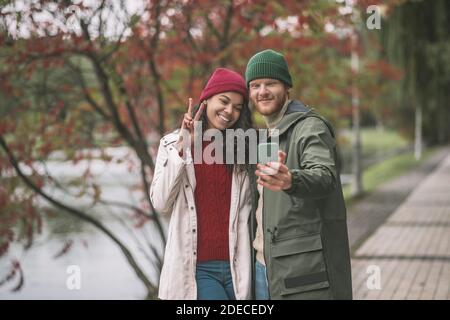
{"points": [[387, 170], [375, 140], [375, 143]]}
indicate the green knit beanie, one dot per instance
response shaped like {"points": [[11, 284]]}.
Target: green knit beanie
{"points": [[268, 64]]}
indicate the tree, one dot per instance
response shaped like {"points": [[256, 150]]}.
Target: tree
{"points": [[417, 40]]}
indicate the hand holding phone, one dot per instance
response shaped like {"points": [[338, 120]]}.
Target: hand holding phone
{"points": [[268, 152], [273, 174]]}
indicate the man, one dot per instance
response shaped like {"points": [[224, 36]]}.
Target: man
{"points": [[301, 240]]}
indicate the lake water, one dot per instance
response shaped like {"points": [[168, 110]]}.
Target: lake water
{"points": [[104, 271]]}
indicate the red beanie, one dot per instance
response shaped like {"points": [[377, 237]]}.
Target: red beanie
{"points": [[223, 80]]}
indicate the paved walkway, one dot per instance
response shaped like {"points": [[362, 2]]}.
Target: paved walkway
{"points": [[410, 251], [364, 216]]}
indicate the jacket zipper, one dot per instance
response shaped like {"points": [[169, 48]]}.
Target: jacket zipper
{"points": [[265, 251], [273, 234], [252, 235], [236, 218]]}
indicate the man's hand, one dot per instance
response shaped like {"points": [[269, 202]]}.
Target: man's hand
{"points": [[275, 176]]}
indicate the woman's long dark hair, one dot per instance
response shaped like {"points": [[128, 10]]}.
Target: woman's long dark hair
{"points": [[244, 122]]}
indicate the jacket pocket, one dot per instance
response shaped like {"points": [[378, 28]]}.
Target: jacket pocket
{"points": [[299, 265]]}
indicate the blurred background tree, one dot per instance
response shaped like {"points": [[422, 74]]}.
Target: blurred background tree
{"points": [[416, 38]]}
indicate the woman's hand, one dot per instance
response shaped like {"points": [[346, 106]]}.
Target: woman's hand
{"points": [[186, 136]]}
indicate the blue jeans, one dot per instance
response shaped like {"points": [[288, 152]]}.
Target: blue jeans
{"points": [[214, 281], [261, 286]]}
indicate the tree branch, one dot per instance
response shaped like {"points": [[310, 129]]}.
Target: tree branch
{"points": [[87, 96], [80, 215], [154, 70]]}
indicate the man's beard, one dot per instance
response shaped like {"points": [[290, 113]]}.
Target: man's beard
{"points": [[280, 105]]}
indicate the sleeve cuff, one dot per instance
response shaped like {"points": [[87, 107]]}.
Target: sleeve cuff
{"points": [[295, 174]]}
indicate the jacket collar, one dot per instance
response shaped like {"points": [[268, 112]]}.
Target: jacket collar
{"points": [[171, 137], [295, 111]]}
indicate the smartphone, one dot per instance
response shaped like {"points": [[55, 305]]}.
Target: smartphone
{"points": [[267, 152]]}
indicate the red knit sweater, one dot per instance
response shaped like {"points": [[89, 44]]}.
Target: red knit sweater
{"points": [[212, 199]]}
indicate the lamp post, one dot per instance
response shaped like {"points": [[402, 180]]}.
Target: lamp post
{"points": [[357, 184]]}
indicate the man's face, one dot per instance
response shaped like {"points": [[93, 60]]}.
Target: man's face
{"points": [[268, 95]]}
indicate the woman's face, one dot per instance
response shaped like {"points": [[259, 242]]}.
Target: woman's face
{"points": [[224, 109]]}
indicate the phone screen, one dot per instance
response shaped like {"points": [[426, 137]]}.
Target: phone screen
{"points": [[267, 152]]}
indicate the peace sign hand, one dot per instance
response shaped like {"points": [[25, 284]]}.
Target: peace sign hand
{"points": [[186, 136]]}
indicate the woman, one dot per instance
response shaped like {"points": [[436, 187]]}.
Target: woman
{"points": [[208, 251]]}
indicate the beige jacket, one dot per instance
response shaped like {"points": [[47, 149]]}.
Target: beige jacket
{"points": [[172, 192]]}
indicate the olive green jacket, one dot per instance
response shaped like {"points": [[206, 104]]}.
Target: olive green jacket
{"points": [[306, 246]]}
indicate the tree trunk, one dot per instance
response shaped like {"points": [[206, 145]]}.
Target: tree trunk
{"points": [[357, 185], [418, 134]]}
